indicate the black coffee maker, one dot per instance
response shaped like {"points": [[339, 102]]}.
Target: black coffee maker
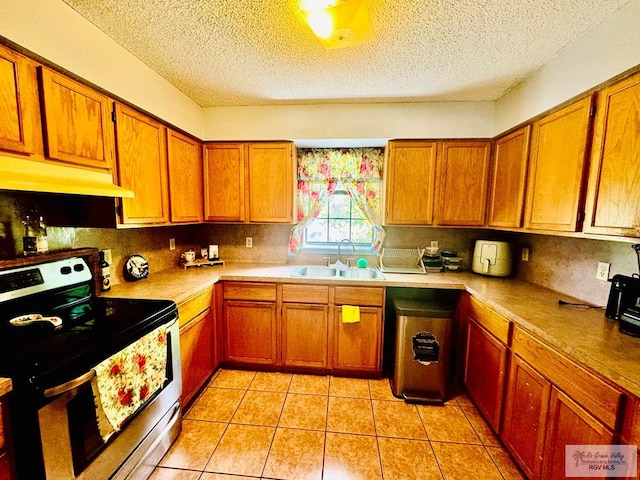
{"points": [[624, 300]]}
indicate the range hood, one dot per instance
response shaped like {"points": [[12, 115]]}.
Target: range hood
{"points": [[32, 176]]}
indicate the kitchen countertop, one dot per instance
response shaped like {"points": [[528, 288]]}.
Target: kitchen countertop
{"points": [[583, 334]]}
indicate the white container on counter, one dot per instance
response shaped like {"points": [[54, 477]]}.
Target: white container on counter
{"points": [[492, 258]]}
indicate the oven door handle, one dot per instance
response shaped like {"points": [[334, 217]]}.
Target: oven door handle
{"points": [[70, 385]]}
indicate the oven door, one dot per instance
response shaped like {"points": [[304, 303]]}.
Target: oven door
{"points": [[72, 444]]}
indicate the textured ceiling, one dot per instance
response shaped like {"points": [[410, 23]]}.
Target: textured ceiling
{"points": [[260, 52]]}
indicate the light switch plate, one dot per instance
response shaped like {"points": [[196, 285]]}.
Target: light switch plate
{"points": [[172, 244], [249, 242]]}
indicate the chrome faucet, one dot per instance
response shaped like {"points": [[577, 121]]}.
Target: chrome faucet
{"points": [[340, 245]]}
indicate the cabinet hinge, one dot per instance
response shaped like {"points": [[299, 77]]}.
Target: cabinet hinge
{"points": [[592, 113], [113, 116], [581, 216]]}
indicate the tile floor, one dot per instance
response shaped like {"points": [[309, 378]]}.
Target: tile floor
{"points": [[248, 425]]}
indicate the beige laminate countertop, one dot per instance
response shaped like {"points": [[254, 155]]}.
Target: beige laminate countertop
{"points": [[583, 334]]}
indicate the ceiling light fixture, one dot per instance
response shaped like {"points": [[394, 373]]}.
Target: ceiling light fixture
{"points": [[339, 23]]}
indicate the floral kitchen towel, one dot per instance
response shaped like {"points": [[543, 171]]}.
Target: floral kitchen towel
{"points": [[124, 381]]}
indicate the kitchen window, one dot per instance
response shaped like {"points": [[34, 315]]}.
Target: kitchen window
{"points": [[338, 197], [339, 218]]}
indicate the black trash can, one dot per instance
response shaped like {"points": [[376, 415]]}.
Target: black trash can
{"points": [[423, 350]]}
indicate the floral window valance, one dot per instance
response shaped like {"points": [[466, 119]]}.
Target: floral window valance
{"points": [[321, 170]]}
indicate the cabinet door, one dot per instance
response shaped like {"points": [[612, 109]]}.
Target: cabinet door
{"points": [[142, 167], [304, 335], [271, 182], [508, 177], [525, 415], [196, 353], [485, 371], [224, 183], [185, 178], [463, 183], [613, 199], [358, 346], [569, 424], [557, 168], [18, 102], [78, 126], [250, 332], [410, 183]]}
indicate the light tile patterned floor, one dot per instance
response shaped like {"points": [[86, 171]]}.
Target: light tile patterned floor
{"points": [[248, 425]]}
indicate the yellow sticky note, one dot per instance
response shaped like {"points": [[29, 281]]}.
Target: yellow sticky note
{"points": [[350, 314]]}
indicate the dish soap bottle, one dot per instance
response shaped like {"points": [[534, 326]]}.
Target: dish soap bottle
{"points": [[34, 239]]}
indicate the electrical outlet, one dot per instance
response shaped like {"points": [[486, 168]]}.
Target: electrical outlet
{"points": [[434, 243], [107, 255], [525, 254], [603, 271], [172, 244], [248, 242]]}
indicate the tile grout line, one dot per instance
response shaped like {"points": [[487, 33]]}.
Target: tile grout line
{"points": [[275, 429], [228, 423]]}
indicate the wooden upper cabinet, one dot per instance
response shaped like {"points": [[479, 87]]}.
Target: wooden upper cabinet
{"points": [[557, 168], [508, 177], [142, 167], [410, 183], [18, 103], [249, 182], [185, 178], [463, 183], [270, 182], [224, 172], [78, 125], [613, 197]]}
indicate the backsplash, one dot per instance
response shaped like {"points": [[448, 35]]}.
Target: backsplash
{"points": [[567, 265]]}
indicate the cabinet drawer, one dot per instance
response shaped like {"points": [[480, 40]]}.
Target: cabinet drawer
{"points": [[265, 292], [305, 293], [598, 397], [495, 323], [365, 296], [194, 305]]}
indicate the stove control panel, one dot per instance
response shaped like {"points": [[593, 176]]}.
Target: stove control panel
{"points": [[23, 281]]}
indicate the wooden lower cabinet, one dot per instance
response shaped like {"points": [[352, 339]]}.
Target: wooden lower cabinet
{"points": [[485, 371], [196, 351], [250, 332], [300, 327], [357, 346], [569, 424], [552, 402], [250, 323], [525, 414], [197, 343], [304, 335]]}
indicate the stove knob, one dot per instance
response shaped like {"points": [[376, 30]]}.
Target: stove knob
{"points": [[65, 270]]}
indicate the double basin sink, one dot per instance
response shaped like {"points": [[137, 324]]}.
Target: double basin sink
{"points": [[319, 271]]}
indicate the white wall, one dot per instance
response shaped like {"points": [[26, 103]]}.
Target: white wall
{"points": [[356, 121], [604, 52], [56, 32]]}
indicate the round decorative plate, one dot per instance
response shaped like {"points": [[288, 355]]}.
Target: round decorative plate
{"points": [[137, 267]]}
